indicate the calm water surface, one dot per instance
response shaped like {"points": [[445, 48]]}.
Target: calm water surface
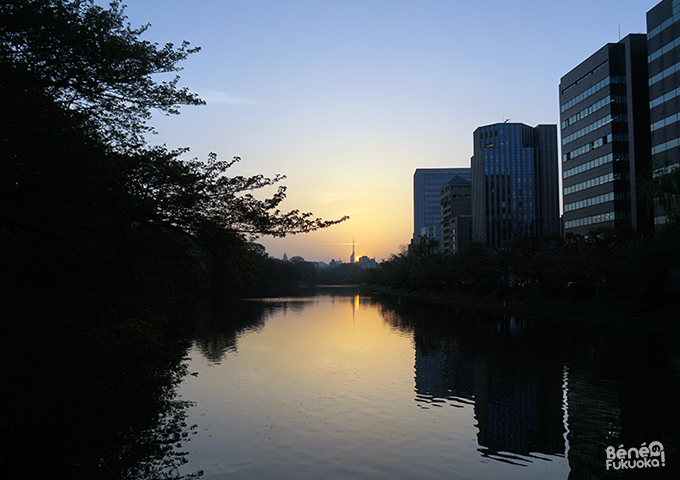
{"points": [[343, 386]]}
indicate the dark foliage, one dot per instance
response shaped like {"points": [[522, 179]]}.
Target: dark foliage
{"points": [[91, 61], [611, 262], [110, 246], [663, 190], [344, 274]]}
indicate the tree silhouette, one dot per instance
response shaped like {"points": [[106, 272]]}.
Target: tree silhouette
{"points": [[91, 61], [77, 86]]}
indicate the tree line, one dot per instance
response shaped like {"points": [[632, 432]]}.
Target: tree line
{"points": [[609, 263], [84, 198]]}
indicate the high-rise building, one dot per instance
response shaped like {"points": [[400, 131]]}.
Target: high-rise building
{"points": [[427, 185], [604, 117], [456, 208], [663, 44], [514, 182]]}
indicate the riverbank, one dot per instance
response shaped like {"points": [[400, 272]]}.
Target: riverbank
{"points": [[602, 310]]}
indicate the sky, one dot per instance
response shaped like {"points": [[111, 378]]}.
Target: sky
{"points": [[347, 98]]}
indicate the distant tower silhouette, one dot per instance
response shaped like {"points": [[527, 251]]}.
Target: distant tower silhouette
{"points": [[351, 257]]}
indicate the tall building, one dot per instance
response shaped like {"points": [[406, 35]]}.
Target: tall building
{"points": [[663, 43], [514, 182], [427, 185], [456, 213], [604, 117]]}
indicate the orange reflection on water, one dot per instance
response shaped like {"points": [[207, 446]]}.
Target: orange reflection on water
{"points": [[327, 387], [320, 346]]}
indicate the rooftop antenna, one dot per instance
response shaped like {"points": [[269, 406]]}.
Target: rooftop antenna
{"points": [[619, 31]]}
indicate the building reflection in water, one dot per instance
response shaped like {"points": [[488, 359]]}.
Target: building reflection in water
{"points": [[542, 388], [537, 389], [517, 396]]}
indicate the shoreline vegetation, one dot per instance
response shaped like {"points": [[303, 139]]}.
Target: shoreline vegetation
{"points": [[594, 312], [611, 277]]}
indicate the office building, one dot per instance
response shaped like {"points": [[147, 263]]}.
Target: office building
{"points": [[514, 182], [427, 185], [456, 213], [605, 138], [663, 44]]}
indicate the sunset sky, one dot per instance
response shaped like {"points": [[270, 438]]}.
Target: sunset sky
{"points": [[348, 98]]}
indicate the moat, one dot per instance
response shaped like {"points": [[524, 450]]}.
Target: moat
{"points": [[338, 385]]}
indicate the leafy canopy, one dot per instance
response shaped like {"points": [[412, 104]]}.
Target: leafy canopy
{"points": [[73, 63], [90, 60], [198, 196]]}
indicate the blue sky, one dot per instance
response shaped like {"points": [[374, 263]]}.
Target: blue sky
{"points": [[348, 98]]}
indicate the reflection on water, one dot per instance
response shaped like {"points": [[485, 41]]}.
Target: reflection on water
{"points": [[623, 390], [338, 386], [79, 404], [217, 336], [507, 369]]}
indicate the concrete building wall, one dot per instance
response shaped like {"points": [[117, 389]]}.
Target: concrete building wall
{"points": [[427, 184], [456, 202]]}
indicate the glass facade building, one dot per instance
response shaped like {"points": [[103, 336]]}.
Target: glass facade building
{"points": [[605, 138], [663, 43], [514, 182], [427, 185]]}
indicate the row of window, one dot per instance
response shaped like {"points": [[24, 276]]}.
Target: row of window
{"points": [[593, 182], [605, 197], [664, 170], [603, 217], [660, 220], [666, 73], [592, 164], [587, 147], [665, 49], [587, 75], [664, 98], [592, 109], [655, 31], [665, 146], [592, 127], [493, 220], [665, 122], [594, 89]]}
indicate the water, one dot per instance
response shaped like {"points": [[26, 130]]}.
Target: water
{"points": [[344, 386]]}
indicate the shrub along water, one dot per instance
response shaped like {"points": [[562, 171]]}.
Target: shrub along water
{"points": [[610, 264]]}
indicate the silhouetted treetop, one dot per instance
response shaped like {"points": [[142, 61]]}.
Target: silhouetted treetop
{"points": [[196, 195], [89, 59]]}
